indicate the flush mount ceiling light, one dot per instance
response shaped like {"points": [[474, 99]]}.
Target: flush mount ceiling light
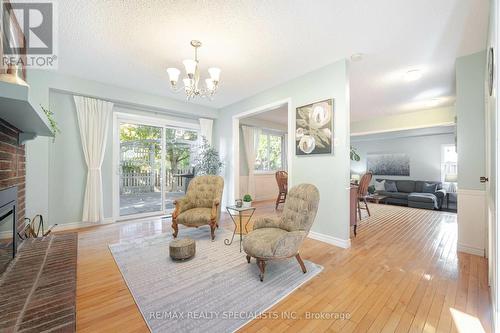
{"points": [[433, 102], [413, 75], [357, 57], [192, 79]]}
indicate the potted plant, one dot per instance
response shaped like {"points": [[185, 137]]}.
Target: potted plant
{"points": [[52, 121], [208, 161], [354, 155], [247, 201]]}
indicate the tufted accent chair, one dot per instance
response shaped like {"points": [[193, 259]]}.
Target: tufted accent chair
{"points": [[279, 238], [201, 205]]}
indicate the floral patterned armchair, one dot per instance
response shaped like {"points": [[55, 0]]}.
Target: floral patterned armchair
{"points": [[279, 238], [201, 205]]}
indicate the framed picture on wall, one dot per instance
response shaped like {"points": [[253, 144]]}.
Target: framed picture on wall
{"points": [[388, 164], [314, 128]]}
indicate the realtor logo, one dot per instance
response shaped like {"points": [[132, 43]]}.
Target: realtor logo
{"points": [[29, 33]]}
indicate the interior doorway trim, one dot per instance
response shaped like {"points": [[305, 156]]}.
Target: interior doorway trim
{"points": [[235, 172]]}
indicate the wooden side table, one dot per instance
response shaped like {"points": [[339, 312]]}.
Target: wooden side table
{"points": [[239, 212], [376, 198]]}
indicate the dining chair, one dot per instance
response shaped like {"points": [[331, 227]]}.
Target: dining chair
{"points": [[363, 192], [282, 180]]}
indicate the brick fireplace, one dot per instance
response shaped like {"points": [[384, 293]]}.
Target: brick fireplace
{"points": [[13, 166]]}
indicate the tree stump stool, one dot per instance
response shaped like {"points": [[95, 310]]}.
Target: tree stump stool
{"points": [[182, 249]]}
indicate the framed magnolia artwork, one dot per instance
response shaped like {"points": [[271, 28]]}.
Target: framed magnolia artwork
{"points": [[314, 128]]}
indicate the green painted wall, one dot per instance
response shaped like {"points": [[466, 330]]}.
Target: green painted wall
{"points": [[330, 173], [470, 109], [55, 170]]}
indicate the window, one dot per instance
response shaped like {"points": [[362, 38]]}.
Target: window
{"points": [[270, 152], [449, 166]]}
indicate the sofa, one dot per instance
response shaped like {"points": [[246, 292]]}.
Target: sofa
{"points": [[411, 193]]}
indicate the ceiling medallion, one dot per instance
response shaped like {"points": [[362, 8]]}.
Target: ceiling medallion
{"points": [[192, 79]]}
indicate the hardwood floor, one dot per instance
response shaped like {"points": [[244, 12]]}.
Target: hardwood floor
{"points": [[401, 274]]}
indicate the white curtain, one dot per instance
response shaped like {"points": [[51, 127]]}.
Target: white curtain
{"points": [[251, 141], [93, 119], [206, 129]]}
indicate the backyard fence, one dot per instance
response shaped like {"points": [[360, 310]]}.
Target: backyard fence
{"points": [[140, 182]]}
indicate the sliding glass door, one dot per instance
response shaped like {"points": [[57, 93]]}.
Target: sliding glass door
{"points": [[155, 165], [180, 149], [140, 169]]}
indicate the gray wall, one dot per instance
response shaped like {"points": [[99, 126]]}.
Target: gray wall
{"points": [[470, 109], [424, 152]]}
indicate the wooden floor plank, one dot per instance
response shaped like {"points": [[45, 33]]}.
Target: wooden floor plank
{"points": [[402, 273]]}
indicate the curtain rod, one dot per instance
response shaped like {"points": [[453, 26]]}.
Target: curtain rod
{"points": [[138, 107]]}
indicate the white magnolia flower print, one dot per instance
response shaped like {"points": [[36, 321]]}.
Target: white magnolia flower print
{"points": [[307, 144], [314, 128], [321, 115], [299, 133]]}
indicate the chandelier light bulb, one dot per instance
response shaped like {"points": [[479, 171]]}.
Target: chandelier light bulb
{"points": [[214, 73], [173, 74], [190, 66]]}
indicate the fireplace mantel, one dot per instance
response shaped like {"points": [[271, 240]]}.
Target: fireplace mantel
{"points": [[16, 109]]}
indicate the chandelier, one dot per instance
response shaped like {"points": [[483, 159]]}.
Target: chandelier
{"points": [[192, 87]]}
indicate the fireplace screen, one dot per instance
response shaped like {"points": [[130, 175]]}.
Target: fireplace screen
{"points": [[8, 238]]}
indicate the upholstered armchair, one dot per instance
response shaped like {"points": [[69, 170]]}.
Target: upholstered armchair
{"points": [[201, 205], [280, 238]]}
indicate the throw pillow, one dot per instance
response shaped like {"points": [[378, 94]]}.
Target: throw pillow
{"points": [[380, 185], [429, 188], [391, 186]]}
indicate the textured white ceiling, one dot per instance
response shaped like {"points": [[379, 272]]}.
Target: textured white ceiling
{"points": [[259, 44]]}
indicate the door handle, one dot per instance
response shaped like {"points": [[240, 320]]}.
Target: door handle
{"points": [[483, 179]]}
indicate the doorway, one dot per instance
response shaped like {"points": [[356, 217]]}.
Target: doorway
{"points": [[270, 132]]}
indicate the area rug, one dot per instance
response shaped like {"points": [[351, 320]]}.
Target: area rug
{"points": [[38, 288], [216, 291]]}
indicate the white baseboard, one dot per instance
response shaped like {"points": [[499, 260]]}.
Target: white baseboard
{"points": [[343, 243], [78, 225], [60, 227], [470, 250]]}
